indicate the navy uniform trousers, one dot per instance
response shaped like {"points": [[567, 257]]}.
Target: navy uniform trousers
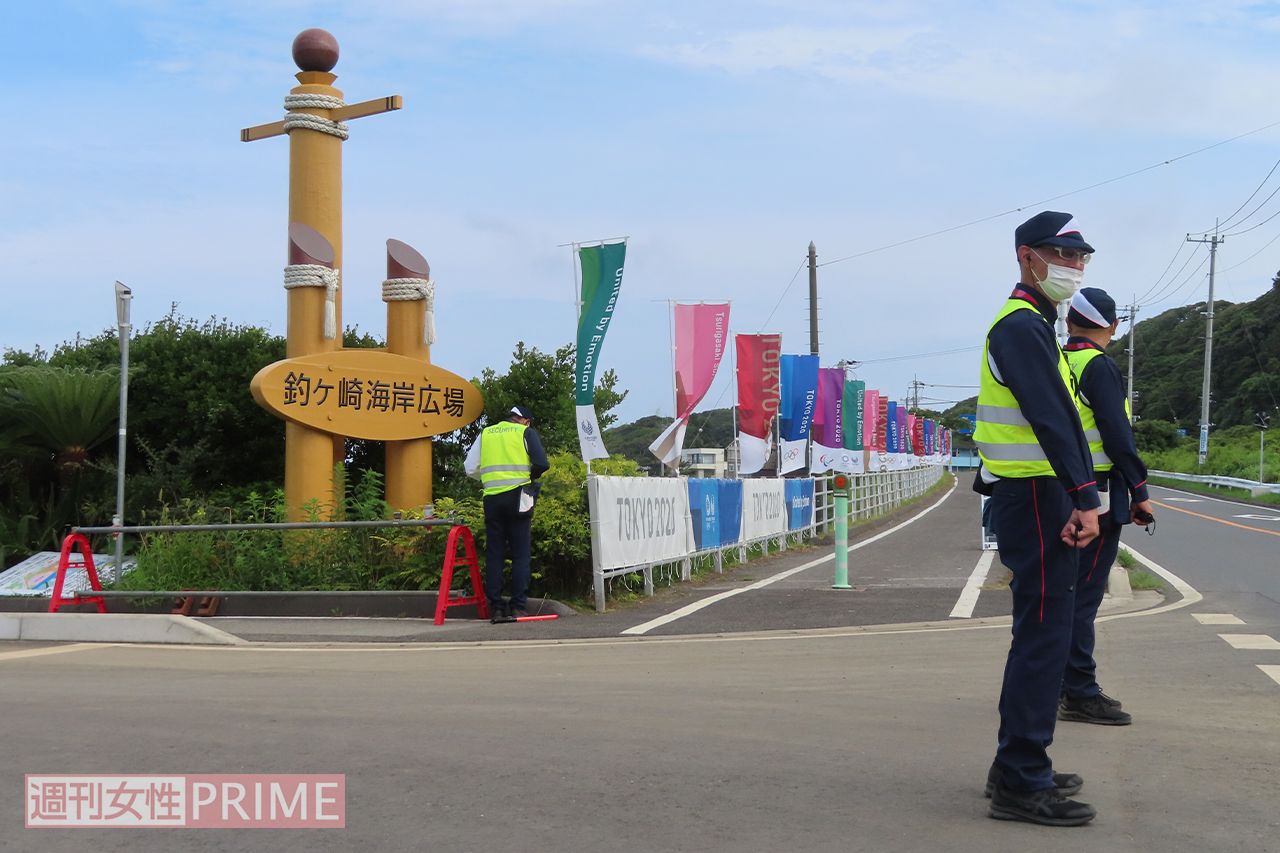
{"points": [[1079, 681], [505, 525], [1028, 515]]}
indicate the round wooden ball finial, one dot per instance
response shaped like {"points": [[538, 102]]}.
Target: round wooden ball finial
{"points": [[315, 50]]}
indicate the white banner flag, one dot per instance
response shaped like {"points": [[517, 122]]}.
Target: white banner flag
{"points": [[763, 508], [589, 438], [791, 454], [667, 447], [752, 452], [641, 520], [824, 458]]}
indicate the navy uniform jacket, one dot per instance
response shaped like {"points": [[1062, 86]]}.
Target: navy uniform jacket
{"points": [[1102, 388], [1024, 353]]}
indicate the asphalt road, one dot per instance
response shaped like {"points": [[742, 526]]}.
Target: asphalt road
{"points": [[854, 742], [843, 738], [1229, 551]]}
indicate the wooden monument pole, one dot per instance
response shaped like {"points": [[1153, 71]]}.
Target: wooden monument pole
{"points": [[315, 201]]}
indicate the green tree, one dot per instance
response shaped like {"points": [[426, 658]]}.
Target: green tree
{"points": [[51, 422], [1155, 435], [66, 412]]}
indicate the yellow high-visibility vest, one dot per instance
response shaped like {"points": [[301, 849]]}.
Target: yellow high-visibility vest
{"points": [[1006, 443], [1078, 361], [504, 461]]}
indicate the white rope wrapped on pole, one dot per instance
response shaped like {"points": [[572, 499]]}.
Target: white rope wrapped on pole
{"points": [[412, 289], [317, 275], [312, 122]]}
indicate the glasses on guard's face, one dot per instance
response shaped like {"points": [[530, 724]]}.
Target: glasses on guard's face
{"points": [[1070, 254]]}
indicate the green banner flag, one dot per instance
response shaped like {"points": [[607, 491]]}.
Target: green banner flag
{"points": [[601, 282], [854, 413]]}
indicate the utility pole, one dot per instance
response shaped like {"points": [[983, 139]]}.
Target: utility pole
{"points": [[813, 299], [915, 394], [1208, 342], [1133, 325], [1263, 421]]}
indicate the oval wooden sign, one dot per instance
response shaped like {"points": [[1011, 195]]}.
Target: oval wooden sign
{"points": [[364, 393]]}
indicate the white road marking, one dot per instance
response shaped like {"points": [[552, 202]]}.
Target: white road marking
{"points": [[48, 650], [688, 609], [1217, 619], [1251, 641], [1185, 500], [1271, 670], [973, 587], [1257, 517]]}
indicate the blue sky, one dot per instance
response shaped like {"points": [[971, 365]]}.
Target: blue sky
{"points": [[721, 138]]}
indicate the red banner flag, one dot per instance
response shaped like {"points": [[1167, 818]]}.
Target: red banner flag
{"points": [[759, 389]]}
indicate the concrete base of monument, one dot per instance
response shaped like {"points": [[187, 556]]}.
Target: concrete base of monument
{"points": [[386, 605]]}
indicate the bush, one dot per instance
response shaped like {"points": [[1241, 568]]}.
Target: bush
{"points": [[1233, 452], [405, 558], [359, 559], [1152, 436]]}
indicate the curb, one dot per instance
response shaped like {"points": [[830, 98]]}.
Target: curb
{"points": [[112, 628]]}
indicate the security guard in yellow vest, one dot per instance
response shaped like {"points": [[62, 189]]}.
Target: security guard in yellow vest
{"points": [[508, 459], [1122, 481], [1044, 508]]}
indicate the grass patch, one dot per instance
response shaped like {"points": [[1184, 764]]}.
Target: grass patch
{"points": [[1140, 580], [1126, 560]]}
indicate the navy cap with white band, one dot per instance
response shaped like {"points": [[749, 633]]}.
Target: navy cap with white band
{"points": [[1092, 308]]}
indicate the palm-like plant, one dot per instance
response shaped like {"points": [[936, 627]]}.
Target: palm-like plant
{"points": [[66, 412]]}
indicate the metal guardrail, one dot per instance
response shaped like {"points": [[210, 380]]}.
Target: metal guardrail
{"points": [[274, 525], [1216, 480]]}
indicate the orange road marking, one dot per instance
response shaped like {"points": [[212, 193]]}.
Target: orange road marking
{"points": [[1219, 520]]}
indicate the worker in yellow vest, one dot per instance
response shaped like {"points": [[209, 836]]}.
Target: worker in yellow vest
{"points": [[1122, 484], [508, 458], [1044, 508]]}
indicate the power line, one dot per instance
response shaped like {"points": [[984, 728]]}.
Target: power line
{"points": [[1254, 255], [920, 355], [1167, 294], [1023, 207], [785, 291], [1224, 223], [1259, 225], [1182, 244]]}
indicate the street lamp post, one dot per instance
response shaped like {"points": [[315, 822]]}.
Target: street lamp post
{"points": [[124, 296]]}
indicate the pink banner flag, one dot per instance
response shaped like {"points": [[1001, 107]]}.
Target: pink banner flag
{"points": [[701, 334], [870, 418]]}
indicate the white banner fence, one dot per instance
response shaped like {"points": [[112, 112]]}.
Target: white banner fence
{"points": [[647, 524]]}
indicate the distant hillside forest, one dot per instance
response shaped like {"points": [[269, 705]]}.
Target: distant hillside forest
{"points": [[1169, 366]]}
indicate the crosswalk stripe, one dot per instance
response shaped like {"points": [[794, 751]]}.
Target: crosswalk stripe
{"points": [[1217, 619], [1251, 641]]}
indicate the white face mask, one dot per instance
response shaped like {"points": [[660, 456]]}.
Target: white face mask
{"points": [[1060, 283]]}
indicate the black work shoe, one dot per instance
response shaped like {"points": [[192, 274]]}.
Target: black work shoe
{"points": [[500, 612], [1109, 700], [1047, 807], [1094, 710], [516, 612], [1065, 784]]}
